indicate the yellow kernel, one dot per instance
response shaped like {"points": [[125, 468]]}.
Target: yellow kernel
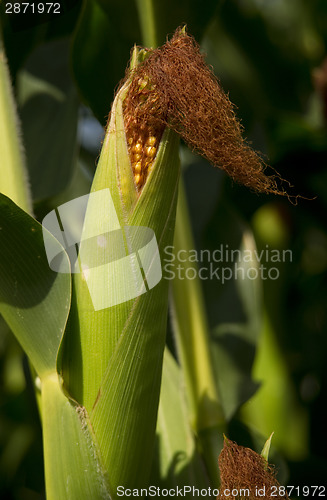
{"points": [[147, 162], [130, 141], [137, 148], [151, 151], [138, 167], [151, 141], [138, 178], [136, 157]]}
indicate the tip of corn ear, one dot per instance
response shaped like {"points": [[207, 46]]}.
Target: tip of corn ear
{"points": [[172, 86], [243, 469]]}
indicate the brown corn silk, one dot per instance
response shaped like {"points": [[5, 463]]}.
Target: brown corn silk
{"points": [[243, 469], [175, 88]]}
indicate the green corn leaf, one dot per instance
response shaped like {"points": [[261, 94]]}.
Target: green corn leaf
{"points": [[48, 107], [266, 447], [72, 468], [13, 177], [34, 300], [236, 304], [178, 461], [101, 46], [265, 411], [192, 336], [276, 405]]}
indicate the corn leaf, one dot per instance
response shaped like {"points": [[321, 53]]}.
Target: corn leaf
{"points": [[177, 462], [34, 300], [101, 46], [266, 447], [48, 107], [264, 411], [193, 343], [72, 468], [238, 314], [13, 178]]}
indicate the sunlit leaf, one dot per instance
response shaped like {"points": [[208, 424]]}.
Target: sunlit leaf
{"points": [[72, 467], [34, 300]]}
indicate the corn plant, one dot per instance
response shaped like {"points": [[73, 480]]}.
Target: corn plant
{"points": [[117, 408]]}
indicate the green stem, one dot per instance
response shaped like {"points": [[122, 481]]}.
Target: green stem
{"points": [[148, 24], [193, 332], [192, 337], [13, 177]]}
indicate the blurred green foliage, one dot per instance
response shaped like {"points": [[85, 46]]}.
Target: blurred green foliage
{"points": [[269, 57]]}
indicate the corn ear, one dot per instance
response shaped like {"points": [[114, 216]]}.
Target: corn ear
{"points": [[113, 356]]}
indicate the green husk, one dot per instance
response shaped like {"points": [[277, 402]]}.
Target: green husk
{"points": [[113, 356]]}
